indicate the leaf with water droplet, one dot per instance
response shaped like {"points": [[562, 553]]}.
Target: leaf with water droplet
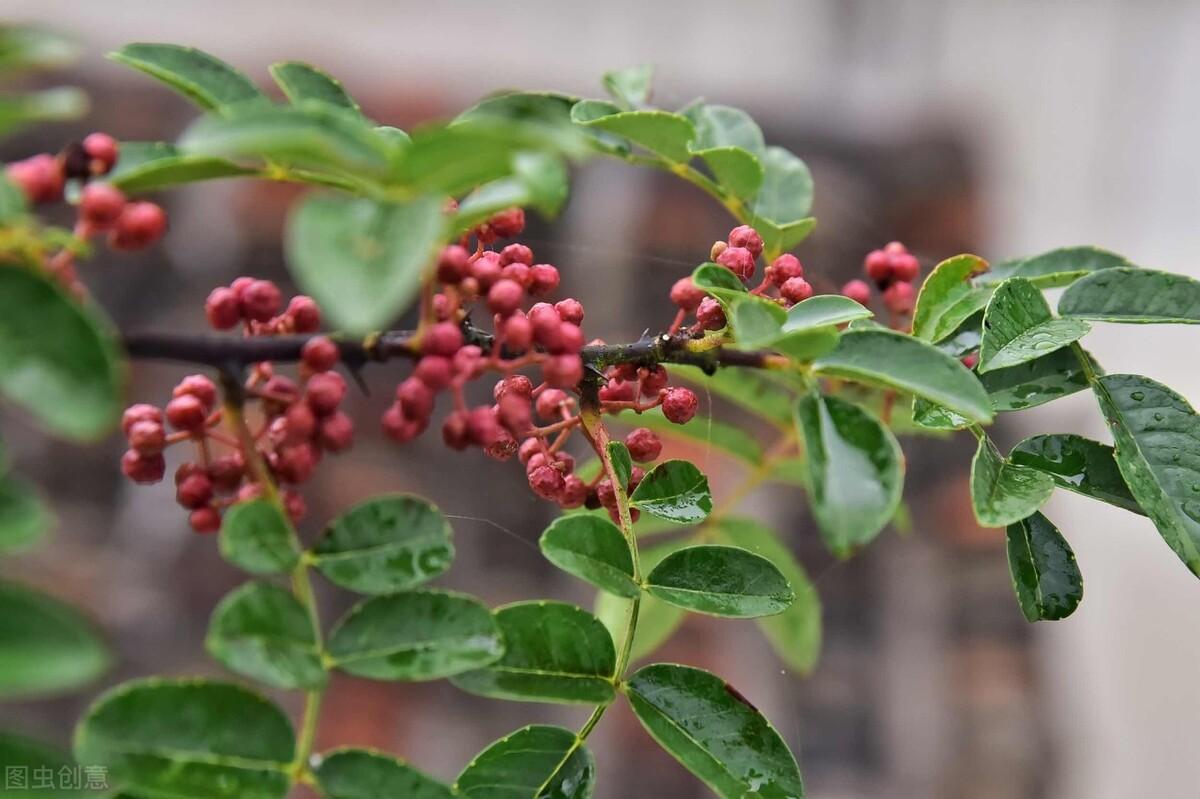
{"points": [[1056, 268], [1003, 493], [1044, 572], [1018, 327], [948, 298], [1077, 464], [538, 762], [1139, 296]]}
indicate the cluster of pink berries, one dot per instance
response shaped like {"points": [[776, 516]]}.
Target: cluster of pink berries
{"points": [[130, 225], [296, 422], [893, 270]]}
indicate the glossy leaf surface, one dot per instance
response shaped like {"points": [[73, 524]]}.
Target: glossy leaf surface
{"points": [[537, 761], [1140, 296], [1044, 572], [261, 631], [948, 298], [593, 549], [1077, 464], [363, 774], [674, 490], [1003, 493], [256, 536], [1018, 327], [721, 581]]}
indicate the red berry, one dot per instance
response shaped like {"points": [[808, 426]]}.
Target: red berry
{"points": [[546, 323], [249, 491], [199, 387], [570, 310], [40, 178], [148, 438], [644, 444], [468, 361], [227, 471], [546, 481], [223, 309], [606, 493], [194, 491], [686, 294], [514, 414], [563, 371], [483, 428], [569, 339], [443, 338], [325, 392], [858, 291], [518, 385], [305, 314], [186, 412], [143, 469], [337, 432], [319, 354], [502, 447], [550, 403], [748, 238], [654, 381], [635, 476], [516, 254], [618, 391], [415, 398], [140, 225], [710, 314], [300, 423], [102, 148], [574, 492], [970, 360], [543, 279], [505, 296], [398, 427], [295, 505], [518, 332], [905, 267], [518, 273], [784, 268], [453, 264], [261, 300], [796, 289], [680, 404], [295, 463], [894, 248], [205, 520], [435, 371], [507, 224], [101, 204], [486, 269], [454, 431], [738, 260], [141, 412], [529, 447], [278, 393], [878, 266], [899, 298]]}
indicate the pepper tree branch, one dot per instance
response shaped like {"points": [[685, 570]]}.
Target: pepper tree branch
{"points": [[232, 353]]}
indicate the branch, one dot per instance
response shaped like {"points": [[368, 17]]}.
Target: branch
{"points": [[232, 353]]}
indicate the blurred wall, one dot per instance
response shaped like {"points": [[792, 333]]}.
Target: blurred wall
{"points": [[1082, 118]]}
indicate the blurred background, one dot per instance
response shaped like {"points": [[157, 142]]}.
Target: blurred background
{"points": [[1005, 129]]}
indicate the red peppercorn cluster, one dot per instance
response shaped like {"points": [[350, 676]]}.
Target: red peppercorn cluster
{"points": [[289, 423], [893, 270], [102, 208]]}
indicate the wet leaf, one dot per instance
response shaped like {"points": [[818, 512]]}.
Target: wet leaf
{"points": [[823, 310], [188, 739], [537, 761], [1003, 493], [1035, 382], [721, 581], [657, 620], [622, 462], [735, 169], [746, 388], [948, 298], [1077, 464], [705, 430], [1056, 268], [593, 549], [674, 490], [660, 132], [256, 536], [1140, 296], [714, 732], [260, 631], [363, 774], [415, 635], [1018, 327], [1044, 572], [553, 652]]}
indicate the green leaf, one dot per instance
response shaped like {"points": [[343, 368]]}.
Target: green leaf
{"points": [[46, 646], [716, 734], [553, 652], [1035, 382], [1044, 572], [385, 544], [1003, 493], [745, 388], [188, 739], [630, 87], [13, 204], [29, 47], [207, 81], [1018, 327], [927, 415], [622, 461], [966, 338], [947, 298], [49, 105], [855, 471], [585, 111], [893, 360], [147, 166], [781, 238], [824, 310], [674, 490], [1156, 431], [23, 516], [657, 620], [414, 636], [301, 82], [787, 189], [309, 136], [719, 282], [795, 634], [537, 761], [362, 260], [261, 631], [362, 774], [593, 549], [721, 581], [1140, 296], [735, 169], [1056, 268], [660, 132], [724, 126], [25, 760], [73, 380], [757, 322], [705, 430], [256, 536], [1077, 464]]}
